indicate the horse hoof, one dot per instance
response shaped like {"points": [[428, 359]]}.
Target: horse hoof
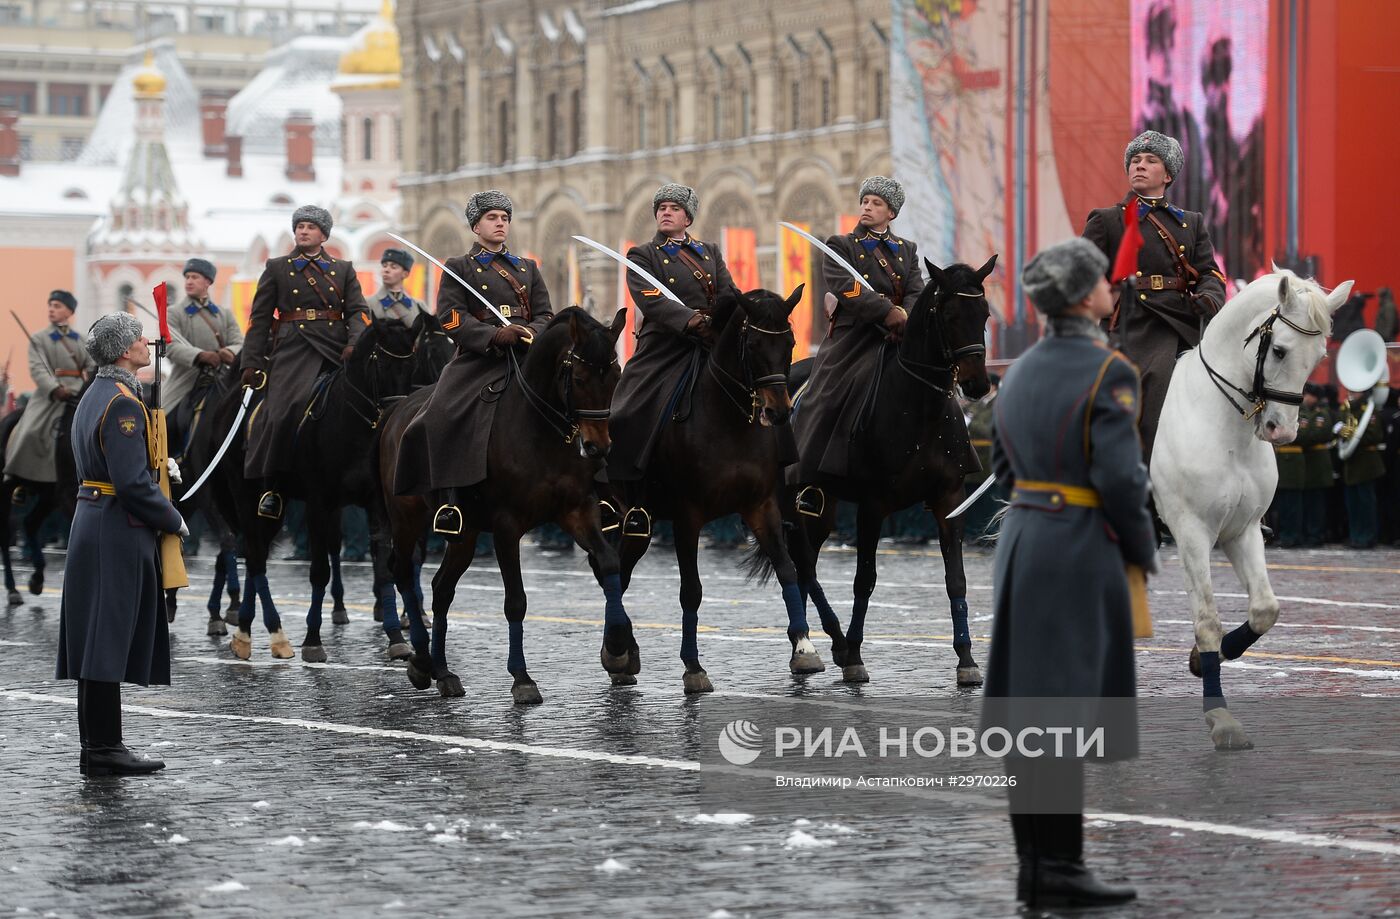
{"points": [[400, 651], [614, 663], [807, 662], [969, 676], [1194, 662], [313, 654], [15, 599], [623, 679], [231, 614], [241, 644], [340, 616], [420, 678], [36, 583], [697, 682], [855, 673], [1226, 731], [280, 647], [526, 693], [450, 687], [216, 627]]}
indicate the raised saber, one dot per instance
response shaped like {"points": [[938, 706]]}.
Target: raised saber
{"points": [[223, 447], [972, 498], [831, 254], [456, 277], [631, 266]]}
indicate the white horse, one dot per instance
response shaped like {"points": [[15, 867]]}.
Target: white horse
{"points": [[1230, 401]]}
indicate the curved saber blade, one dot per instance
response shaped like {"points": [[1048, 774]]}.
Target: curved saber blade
{"points": [[830, 253], [454, 276], [631, 266], [223, 447], [972, 498]]}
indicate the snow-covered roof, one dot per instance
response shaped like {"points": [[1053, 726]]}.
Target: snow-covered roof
{"points": [[295, 77], [110, 140]]}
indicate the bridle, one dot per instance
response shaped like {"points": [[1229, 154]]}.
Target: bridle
{"points": [[921, 371], [372, 402], [1259, 394], [752, 406], [568, 422]]}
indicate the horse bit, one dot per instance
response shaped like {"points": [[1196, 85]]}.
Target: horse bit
{"points": [[1259, 394], [749, 385]]}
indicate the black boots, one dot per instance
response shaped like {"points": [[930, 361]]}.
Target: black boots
{"points": [[100, 729], [1050, 850], [448, 521]]}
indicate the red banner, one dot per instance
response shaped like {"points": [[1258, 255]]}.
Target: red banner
{"points": [[741, 256], [795, 267]]}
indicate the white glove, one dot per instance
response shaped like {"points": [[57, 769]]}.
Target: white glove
{"points": [[173, 468], [184, 530]]}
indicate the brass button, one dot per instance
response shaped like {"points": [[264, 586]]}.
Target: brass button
{"points": [[866, 276], [295, 291], [332, 274], [483, 287], [478, 271], [1181, 248], [1183, 226], [670, 280], [292, 274], [1139, 274], [665, 261], [860, 256], [1142, 296]]}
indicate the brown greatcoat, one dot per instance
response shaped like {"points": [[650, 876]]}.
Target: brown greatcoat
{"points": [[1156, 325], [830, 403], [645, 396], [444, 446], [295, 353]]}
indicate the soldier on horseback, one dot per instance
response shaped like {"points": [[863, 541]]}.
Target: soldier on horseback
{"points": [[206, 339], [391, 300], [59, 365], [668, 339], [305, 317], [445, 446], [1177, 288]]}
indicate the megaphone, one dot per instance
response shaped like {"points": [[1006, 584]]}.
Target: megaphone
{"points": [[1361, 366]]}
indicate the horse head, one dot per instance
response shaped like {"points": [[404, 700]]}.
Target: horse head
{"points": [[947, 326], [381, 364], [1289, 320], [432, 348], [764, 340], [586, 374]]}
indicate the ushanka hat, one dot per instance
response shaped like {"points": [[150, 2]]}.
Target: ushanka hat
{"points": [[1167, 149], [1062, 275], [201, 266], [317, 215], [111, 336], [676, 193], [885, 187], [489, 200]]}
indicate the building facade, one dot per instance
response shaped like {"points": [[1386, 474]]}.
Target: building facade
{"points": [[580, 110]]}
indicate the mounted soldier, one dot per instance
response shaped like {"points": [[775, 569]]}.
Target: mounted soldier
{"points": [[1176, 289], [392, 301], [669, 336], [59, 366], [444, 447], [305, 317], [207, 339]]}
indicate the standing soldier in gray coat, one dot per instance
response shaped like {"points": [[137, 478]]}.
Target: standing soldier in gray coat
{"points": [[1177, 287], [391, 302], [444, 447], [669, 336], [206, 339], [59, 366], [306, 315], [112, 626], [1065, 444]]}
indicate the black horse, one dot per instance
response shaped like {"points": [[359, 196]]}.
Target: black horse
{"points": [[333, 468], [60, 495], [548, 439], [727, 457], [911, 443]]}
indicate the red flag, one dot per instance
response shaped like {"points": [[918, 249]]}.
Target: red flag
{"points": [[162, 308], [1126, 262]]}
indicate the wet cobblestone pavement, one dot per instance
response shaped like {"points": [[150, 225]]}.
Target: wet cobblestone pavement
{"points": [[293, 789]]}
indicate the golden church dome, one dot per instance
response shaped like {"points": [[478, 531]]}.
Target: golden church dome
{"points": [[148, 81], [374, 50]]}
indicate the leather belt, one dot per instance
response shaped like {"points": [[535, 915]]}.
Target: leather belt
{"points": [[102, 488], [1159, 282], [1289, 449], [309, 315], [67, 373], [1056, 494]]}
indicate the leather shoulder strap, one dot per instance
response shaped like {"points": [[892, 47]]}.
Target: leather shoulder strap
{"points": [[522, 296], [1189, 273]]}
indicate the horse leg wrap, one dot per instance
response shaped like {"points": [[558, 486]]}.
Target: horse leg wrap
{"points": [[690, 623], [796, 611], [855, 632], [270, 617], [1214, 696], [1238, 642], [962, 638], [614, 613], [516, 663], [389, 607], [824, 610]]}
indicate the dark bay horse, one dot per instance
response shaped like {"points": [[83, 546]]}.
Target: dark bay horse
{"points": [[548, 440], [911, 445], [727, 457], [333, 468], [60, 495]]}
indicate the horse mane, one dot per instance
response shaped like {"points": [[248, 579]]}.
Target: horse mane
{"points": [[1306, 290], [596, 345]]}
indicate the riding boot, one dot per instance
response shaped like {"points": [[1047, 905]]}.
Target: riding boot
{"points": [[448, 521], [270, 503], [82, 728], [106, 755], [1060, 877]]}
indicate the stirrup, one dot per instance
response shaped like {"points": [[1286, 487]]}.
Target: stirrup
{"points": [[448, 521], [637, 523], [607, 516], [18, 496], [270, 505], [811, 501]]}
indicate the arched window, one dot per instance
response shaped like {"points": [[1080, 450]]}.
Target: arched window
{"points": [[879, 94], [826, 100], [435, 144], [796, 101], [745, 113], [456, 139], [367, 139], [641, 126], [717, 116], [551, 125], [669, 125], [575, 121], [503, 126]]}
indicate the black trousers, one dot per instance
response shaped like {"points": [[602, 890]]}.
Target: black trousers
{"points": [[1042, 783], [99, 714]]}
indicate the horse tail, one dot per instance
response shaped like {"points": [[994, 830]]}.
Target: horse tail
{"points": [[757, 565]]}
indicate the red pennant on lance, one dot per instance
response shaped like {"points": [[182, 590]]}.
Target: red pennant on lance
{"points": [[1126, 261], [162, 310]]}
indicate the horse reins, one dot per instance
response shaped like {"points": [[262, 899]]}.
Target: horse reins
{"points": [[566, 423], [1259, 394], [750, 385]]}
